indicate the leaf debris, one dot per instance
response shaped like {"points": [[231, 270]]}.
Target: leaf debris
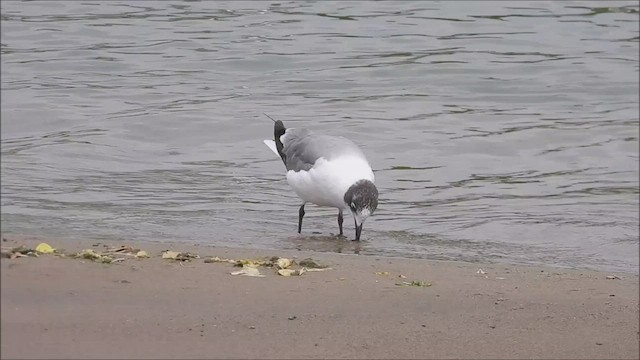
{"points": [[283, 266], [414, 283], [179, 256]]}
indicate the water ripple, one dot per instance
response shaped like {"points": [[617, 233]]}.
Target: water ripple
{"points": [[501, 132]]}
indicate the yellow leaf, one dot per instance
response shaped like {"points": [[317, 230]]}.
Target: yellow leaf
{"points": [[44, 248], [382, 273]]}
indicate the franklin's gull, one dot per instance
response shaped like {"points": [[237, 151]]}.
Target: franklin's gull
{"points": [[326, 171]]}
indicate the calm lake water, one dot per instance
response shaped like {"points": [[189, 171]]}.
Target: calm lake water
{"points": [[498, 131]]}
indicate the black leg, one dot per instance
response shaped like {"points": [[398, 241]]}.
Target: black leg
{"points": [[340, 220], [358, 231], [300, 216]]}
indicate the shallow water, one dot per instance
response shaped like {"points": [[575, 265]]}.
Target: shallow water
{"points": [[498, 131]]}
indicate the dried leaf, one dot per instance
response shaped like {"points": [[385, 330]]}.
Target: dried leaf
{"points": [[16, 252], [414, 283], [188, 256], [142, 254], [382, 273], [90, 254], [253, 263], [22, 250], [283, 263], [44, 248], [310, 264], [248, 271], [170, 254], [123, 249], [216, 259], [179, 256], [286, 272], [291, 272], [106, 259]]}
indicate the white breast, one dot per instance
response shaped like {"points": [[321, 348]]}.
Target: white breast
{"points": [[326, 183]]}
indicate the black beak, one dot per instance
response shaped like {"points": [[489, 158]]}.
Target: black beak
{"points": [[358, 231]]}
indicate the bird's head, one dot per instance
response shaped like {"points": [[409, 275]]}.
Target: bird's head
{"points": [[362, 200]]}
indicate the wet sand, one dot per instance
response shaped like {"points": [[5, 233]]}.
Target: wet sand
{"points": [[55, 307]]}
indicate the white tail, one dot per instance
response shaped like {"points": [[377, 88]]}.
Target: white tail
{"points": [[272, 145]]}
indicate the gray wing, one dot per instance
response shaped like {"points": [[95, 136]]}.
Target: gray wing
{"points": [[302, 148]]}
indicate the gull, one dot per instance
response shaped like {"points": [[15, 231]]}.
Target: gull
{"points": [[327, 171]]}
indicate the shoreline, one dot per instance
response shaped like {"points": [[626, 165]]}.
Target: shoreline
{"points": [[349, 250], [360, 308]]}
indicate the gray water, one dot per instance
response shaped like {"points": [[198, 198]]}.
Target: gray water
{"points": [[498, 131]]}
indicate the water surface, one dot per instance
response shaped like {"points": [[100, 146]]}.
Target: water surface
{"points": [[498, 131]]}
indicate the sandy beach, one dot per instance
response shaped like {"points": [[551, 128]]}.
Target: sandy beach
{"points": [[363, 307]]}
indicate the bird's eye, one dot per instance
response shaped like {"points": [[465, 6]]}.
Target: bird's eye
{"points": [[353, 206]]}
